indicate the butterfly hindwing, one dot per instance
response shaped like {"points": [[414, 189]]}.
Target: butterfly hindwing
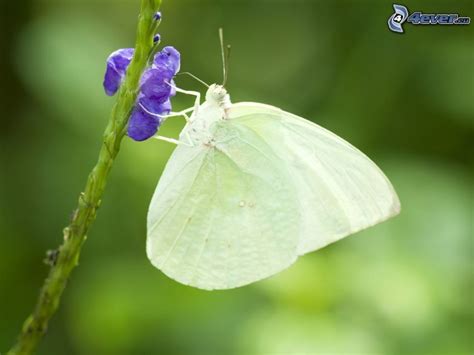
{"points": [[341, 191]]}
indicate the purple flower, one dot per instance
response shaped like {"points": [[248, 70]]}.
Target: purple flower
{"points": [[117, 64], [156, 88]]}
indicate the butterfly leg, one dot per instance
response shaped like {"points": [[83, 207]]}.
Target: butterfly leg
{"points": [[175, 141], [167, 139], [188, 122], [173, 114], [183, 113], [197, 102]]}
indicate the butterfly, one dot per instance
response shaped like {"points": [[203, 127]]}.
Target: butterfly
{"points": [[250, 188]]}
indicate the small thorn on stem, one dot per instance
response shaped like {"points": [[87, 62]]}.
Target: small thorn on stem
{"points": [[51, 257]]}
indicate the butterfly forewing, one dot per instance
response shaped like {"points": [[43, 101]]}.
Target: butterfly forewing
{"points": [[228, 217]]}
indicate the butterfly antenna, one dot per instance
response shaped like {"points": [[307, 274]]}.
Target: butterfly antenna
{"points": [[194, 77], [225, 52]]}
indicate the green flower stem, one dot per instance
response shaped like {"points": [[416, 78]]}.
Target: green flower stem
{"points": [[66, 257]]}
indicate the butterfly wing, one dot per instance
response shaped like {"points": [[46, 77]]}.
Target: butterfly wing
{"points": [[341, 191], [223, 216]]}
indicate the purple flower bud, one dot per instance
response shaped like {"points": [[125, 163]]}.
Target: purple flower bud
{"points": [[142, 125], [117, 64], [168, 59], [156, 38], [157, 16]]}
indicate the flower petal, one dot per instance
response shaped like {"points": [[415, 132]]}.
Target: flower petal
{"points": [[142, 125], [173, 88], [155, 85], [168, 59], [117, 64], [153, 106]]}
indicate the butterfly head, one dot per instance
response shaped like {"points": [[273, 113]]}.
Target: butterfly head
{"points": [[218, 94]]}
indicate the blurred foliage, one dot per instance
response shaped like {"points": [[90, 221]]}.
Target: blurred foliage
{"points": [[402, 287]]}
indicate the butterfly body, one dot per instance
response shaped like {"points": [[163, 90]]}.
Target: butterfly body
{"points": [[213, 110]]}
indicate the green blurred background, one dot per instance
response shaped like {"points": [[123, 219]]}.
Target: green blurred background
{"points": [[402, 287]]}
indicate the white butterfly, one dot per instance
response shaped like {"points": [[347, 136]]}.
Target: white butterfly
{"points": [[250, 188]]}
